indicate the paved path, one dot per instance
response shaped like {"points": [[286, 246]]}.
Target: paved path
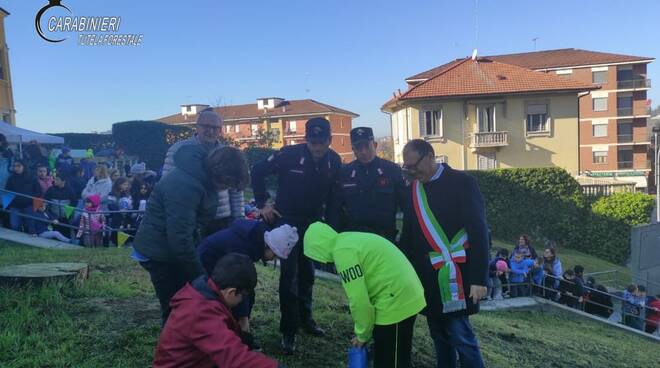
{"points": [[22, 238]]}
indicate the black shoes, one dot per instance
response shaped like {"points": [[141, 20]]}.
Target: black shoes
{"points": [[289, 344], [313, 329]]}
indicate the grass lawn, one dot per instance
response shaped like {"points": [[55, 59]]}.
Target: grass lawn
{"points": [[112, 320]]}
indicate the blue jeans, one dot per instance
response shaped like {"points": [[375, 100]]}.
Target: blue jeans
{"points": [[454, 340], [17, 221]]}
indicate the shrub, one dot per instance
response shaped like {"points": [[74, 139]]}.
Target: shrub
{"points": [[147, 139], [631, 208], [547, 204]]}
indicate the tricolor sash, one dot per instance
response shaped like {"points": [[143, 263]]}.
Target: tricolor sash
{"points": [[445, 254]]}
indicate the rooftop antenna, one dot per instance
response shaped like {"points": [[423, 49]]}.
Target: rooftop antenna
{"points": [[306, 81], [476, 24], [534, 40]]}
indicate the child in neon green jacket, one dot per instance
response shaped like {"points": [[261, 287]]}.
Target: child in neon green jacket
{"points": [[383, 289]]}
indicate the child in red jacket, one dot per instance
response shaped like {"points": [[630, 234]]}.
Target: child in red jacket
{"points": [[200, 331]]}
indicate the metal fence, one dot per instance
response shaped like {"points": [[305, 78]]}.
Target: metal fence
{"points": [[108, 232], [607, 305]]}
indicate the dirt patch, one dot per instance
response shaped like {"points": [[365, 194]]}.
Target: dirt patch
{"points": [[126, 312]]}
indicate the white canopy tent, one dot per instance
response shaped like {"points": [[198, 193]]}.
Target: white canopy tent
{"points": [[19, 135]]}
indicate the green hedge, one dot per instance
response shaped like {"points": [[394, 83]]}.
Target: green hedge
{"points": [[148, 139], [631, 208], [86, 140], [547, 204]]}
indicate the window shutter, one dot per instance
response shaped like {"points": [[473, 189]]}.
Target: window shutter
{"points": [[537, 109]]}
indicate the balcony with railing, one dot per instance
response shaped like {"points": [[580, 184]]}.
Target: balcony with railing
{"points": [[623, 165], [637, 109], [634, 84], [489, 139]]}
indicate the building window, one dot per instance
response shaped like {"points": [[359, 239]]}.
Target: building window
{"points": [[599, 157], [293, 141], [254, 129], [600, 104], [432, 123], [188, 108], [486, 119], [342, 141], [6, 117], [599, 77], [624, 73], [624, 104], [599, 130], [486, 161], [537, 118], [237, 128], [625, 158], [227, 128], [292, 126], [624, 131]]}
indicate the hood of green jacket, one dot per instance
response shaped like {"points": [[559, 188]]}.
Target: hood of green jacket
{"points": [[320, 242], [191, 158]]}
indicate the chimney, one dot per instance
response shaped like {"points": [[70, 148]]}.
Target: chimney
{"points": [[474, 54]]}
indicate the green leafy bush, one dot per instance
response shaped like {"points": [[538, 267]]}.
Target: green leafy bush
{"points": [[147, 139], [547, 204], [631, 208]]}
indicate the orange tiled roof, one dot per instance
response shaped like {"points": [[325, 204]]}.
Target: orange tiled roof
{"points": [[486, 77], [551, 59], [250, 111]]}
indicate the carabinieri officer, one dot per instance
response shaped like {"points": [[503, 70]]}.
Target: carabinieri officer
{"points": [[369, 192], [306, 174]]}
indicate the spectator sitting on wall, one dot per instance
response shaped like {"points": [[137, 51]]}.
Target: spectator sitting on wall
{"points": [[42, 226], [599, 303], [525, 248], [45, 180], [64, 163]]}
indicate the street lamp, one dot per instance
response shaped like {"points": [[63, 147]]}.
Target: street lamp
{"points": [[656, 130]]}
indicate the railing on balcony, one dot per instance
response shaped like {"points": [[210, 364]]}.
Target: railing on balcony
{"points": [[624, 111], [621, 165], [634, 84], [490, 139], [625, 138]]}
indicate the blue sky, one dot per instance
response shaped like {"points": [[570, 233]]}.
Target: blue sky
{"points": [[347, 53]]}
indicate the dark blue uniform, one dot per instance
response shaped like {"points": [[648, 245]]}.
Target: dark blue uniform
{"points": [[367, 198], [304, 186]]}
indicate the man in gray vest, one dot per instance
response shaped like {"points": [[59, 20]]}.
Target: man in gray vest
{"points": [[230, 201]]}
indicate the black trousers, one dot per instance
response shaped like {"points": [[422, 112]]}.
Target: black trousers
{"points": [[296, 283], [393, 344], [168, 278]]}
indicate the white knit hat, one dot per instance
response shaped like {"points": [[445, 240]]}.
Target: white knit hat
{"points": [[281, 240]]}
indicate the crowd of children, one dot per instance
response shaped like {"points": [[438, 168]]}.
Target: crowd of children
{"points": [[521, 273], [85, 203]]}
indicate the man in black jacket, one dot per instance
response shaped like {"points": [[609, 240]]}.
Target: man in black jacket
{"points": [[445, 237]]}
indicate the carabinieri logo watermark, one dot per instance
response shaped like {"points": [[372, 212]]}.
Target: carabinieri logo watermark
{"points": [[92, 30]]}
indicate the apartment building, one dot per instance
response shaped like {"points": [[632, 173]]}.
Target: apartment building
{"points": [[479, 113], [284, 119]]}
